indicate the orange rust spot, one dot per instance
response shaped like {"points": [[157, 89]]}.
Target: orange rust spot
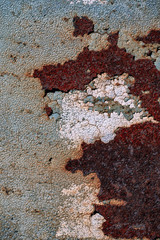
{"points": [[117, 202]]}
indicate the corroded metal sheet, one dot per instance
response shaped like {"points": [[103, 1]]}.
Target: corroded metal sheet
{"points": [[80, 112]]}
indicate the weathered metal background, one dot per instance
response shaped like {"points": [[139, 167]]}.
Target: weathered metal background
{"points": [[72, 73]]}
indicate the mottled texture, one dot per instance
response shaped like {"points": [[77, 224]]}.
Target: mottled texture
{"points": [[95, 114], [75, 74], [128, 168], [35, 33]]}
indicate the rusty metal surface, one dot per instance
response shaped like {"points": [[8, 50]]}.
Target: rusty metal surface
{"points": [[42, 127]]}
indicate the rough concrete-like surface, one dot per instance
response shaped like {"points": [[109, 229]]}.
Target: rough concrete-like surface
{"points": [[39, 198]]}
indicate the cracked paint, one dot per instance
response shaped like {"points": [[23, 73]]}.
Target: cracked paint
{"points": [[76, 74], [97, 112], [75, 214], [91, 114]]}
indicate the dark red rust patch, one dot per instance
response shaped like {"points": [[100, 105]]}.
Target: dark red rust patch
{"points": [[82, 26], [76, 74], [48, 110], [113, 38], [129, 169], [152, 37]]}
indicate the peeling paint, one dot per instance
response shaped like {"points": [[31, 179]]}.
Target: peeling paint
{"points": [[97, 112], [37, 194], [137, 48], [128, 169], [114, 61], [75, 214]]}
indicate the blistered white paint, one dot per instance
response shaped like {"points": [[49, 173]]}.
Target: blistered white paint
{"points": [[112, 88], [75, 214], [79, 124]]}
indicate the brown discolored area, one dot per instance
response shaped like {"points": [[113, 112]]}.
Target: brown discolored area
{"points": [[128, 168], [152, 37], [48, 110], [82, 26], [76, 74]]}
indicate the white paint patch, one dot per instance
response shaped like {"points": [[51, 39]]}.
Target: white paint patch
{"points": [[75, 214], [78, 123]]}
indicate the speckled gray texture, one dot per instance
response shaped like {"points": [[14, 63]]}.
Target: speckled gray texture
{"points": [[34, 33]]}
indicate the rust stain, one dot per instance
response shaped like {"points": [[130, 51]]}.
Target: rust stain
{"points": [[128, 168], [113, 38], [76, 74], [48, 110], [152, 37], [82, 26]]}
